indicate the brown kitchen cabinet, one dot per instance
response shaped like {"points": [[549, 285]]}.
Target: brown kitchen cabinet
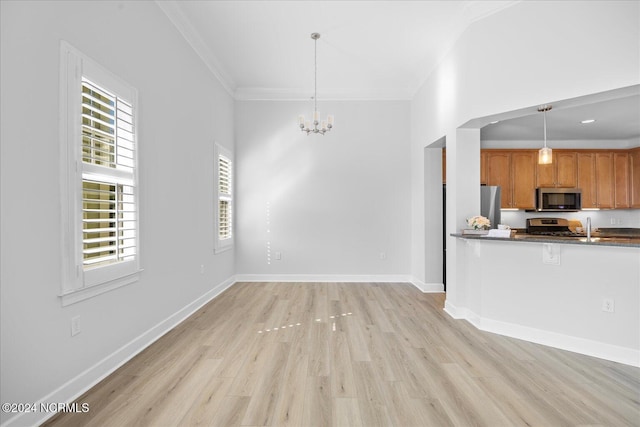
{"points": [[621, 197], [562, 172], [634, 177], [499, 173], [595, 179], [483, 167], [444, 166], [609, 179], [586, 166], [514, 171], [604, 180]]}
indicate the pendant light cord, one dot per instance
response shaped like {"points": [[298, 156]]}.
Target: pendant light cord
{"points": [[544, 116]]}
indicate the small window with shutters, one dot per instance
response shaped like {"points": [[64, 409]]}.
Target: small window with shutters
{"points": [[99, 185], [223, 167]]}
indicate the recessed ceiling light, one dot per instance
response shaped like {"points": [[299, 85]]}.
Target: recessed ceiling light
{"points": [[584, 122], [494, 122]]}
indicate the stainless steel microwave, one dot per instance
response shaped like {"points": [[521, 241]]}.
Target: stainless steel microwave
{"points": [[558, 199]]}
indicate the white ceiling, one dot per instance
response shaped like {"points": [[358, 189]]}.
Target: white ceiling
{"points": [[367, 49], [615, 119], [262, 49]]}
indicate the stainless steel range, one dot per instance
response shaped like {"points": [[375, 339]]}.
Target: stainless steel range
{"points": [[549, 227]]}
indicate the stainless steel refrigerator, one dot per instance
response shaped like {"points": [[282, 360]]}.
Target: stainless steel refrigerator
{"points": [[490, 204]]}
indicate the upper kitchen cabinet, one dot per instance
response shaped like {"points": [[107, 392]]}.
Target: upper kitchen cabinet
{"points": [[595, 178], [523, 166], [483, 168], [514, 171], [499, 173], [563, 172], [621, 195], [444, 166], [634, 178]]}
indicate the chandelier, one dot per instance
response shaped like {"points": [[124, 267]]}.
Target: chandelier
{"points": [[545, 154], [325, 125]]}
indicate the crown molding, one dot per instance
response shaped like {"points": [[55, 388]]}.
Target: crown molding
{"points": [[287, 94], [171, 8]]}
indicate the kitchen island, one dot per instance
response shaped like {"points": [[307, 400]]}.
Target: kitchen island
{"points": [[582, 296]]}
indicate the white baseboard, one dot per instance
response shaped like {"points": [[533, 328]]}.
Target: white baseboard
{"points": [[428, 288], [75, 387], [342, 278], [379, 278], [614, 353]]}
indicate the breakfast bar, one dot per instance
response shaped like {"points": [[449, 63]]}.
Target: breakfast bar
{"points": [[573, 293], [596, 239]]}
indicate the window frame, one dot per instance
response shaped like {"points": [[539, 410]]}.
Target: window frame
{"points": [[222, 245], [77, 283]]}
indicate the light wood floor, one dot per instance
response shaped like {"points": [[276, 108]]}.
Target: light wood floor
{"points": [[347, 354]]}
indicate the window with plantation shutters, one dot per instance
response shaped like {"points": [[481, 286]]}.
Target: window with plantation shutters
{"points": [[224, 199], [108, 193], [99, 184]]}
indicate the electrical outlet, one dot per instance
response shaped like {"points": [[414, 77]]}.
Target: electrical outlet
{"points": [[201, 268], [383, 255], [608, 305], [278, 256], [551, 253], [613, 221], [75, 326]]}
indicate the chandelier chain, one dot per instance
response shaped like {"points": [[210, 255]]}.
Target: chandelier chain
{"points": [[315, 75]]}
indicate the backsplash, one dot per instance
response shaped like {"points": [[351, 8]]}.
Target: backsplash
{"points": [[618, 218]]}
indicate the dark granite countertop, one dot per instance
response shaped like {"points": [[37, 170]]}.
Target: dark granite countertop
{"points": [[597, 239]]}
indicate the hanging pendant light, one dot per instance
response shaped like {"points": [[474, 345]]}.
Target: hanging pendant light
{"points": [[325, 125], [545, 154]]}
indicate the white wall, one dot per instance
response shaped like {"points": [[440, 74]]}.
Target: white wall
{"points": [[183, 109], [503, 63], [330, 205]]}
